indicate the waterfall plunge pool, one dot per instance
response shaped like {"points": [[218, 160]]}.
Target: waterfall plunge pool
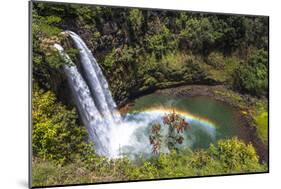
{"points": [[129, 135], [209, 120]]}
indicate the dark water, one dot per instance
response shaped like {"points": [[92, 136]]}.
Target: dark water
{"points": [[220, 115]]}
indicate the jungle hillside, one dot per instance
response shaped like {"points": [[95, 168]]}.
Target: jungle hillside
{"points": [[196, 65]]}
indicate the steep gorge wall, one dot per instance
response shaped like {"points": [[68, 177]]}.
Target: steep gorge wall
{"points": [[134, 76]]}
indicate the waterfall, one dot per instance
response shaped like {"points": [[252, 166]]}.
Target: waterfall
{"points": [[94, 117], [112, 135], [96, 80], [97, 108], [95, 104]]}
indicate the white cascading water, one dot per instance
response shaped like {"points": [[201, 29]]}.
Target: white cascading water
{"points": [[90, 115], [112, 136], [96, 80], [94, 102]]}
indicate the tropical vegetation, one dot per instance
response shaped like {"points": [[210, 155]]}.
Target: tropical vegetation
{"points": [[141, 50]]}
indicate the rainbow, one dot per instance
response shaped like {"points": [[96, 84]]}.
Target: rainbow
{"points": [[187, 115]]}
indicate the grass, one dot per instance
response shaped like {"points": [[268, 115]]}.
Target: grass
{"points": [[47, 173], [261, 120], [98, 169], [222, 74], [262, 126], [175, 61]]}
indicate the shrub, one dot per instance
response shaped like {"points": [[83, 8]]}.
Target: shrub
{"points": [[253, 76], [234, 155], [261, 120], [160, 42], [198, 34], [225, 157], [122, 56], [135, 21], [216, 60], [56, 134]]}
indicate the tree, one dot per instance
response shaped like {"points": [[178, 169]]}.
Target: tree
{"points": [[176, 126], [234, 155], [253, 76], [159, 40], [198, 35], [135, 20]]}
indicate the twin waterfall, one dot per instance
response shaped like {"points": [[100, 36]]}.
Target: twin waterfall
{"points": [[92, 97], [113, 135]]}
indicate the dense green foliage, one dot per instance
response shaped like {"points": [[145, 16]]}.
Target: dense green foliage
{"points": [[43, 58], [133, 46], [140, 51], [55, 131], [226, 157], [253, 77]]}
